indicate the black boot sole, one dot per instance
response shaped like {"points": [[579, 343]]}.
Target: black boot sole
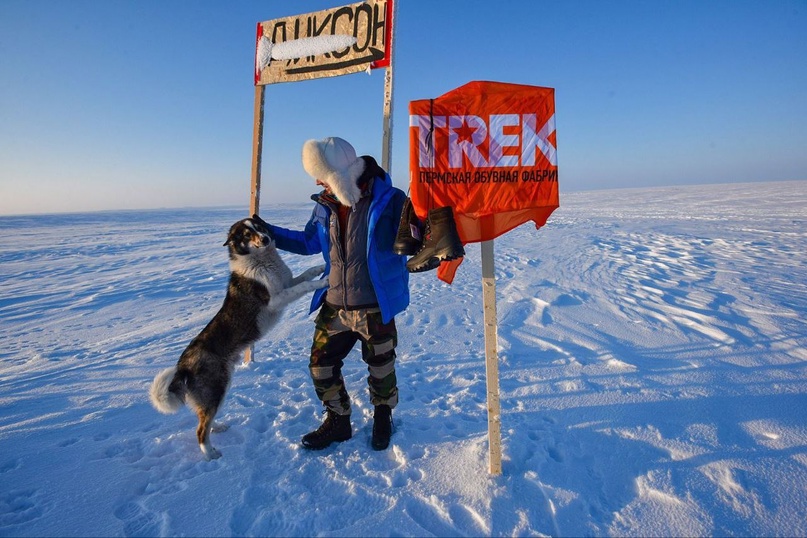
{"points": [[378, 446], [433, 262], [322, 446]]}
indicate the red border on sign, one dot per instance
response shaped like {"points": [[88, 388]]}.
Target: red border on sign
{"points": [[257, 42], [387, 39]]}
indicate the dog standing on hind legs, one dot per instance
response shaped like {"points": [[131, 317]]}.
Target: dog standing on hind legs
{"points": [[260, 286]]}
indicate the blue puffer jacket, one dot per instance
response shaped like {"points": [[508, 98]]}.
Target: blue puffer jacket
{"points": [[387, 270]]}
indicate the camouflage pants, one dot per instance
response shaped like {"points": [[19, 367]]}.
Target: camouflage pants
{"points": [[336, 332]]}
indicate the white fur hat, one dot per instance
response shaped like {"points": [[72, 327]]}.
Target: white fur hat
{"points": [[333, 161]]}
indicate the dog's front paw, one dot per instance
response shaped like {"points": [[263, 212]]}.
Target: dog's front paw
{"points": [[313, 285], [314, 272]]}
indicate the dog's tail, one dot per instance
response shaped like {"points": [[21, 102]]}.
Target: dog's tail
{"points": [[163, 398]]}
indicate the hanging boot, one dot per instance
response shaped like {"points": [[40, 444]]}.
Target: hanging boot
{"points": [[442, 242], [334, 428], [409, 238]]}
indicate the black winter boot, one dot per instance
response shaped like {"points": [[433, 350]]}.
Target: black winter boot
{"points": [[334, 428], [382, 427], [442, 242], [410, 234]]}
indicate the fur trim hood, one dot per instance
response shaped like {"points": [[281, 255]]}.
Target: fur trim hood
{"points": [[333, 161]]}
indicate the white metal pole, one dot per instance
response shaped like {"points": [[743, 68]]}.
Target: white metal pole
{"points": [[491, 358]]}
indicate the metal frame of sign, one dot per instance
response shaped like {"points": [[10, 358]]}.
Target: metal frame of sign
{"points": [[303, 47]]}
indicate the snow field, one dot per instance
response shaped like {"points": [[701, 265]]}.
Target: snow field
{"points": [[652, 363]]}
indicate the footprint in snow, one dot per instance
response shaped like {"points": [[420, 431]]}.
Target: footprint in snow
{"points": [[68, 442], [429, 516], [138, 521], [9, 465], [20, 507], [405, 479], [246, 513]]}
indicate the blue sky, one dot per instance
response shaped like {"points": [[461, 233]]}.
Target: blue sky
{"points": [[144, 104]]}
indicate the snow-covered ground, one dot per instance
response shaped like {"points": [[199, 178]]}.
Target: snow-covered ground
{"points": [[653, 364]]}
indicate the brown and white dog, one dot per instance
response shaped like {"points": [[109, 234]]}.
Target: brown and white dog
{"points": [[260, 286]]}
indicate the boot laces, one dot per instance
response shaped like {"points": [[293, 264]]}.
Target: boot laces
{"points": [[329, 423]]}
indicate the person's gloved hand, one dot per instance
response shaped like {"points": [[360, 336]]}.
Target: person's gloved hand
{"points": [[260, 221], [263, 224]]}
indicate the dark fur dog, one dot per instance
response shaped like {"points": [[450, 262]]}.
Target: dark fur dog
{"points": [[260, 286]]}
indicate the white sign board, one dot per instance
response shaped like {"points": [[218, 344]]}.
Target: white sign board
{"points": [[329, 43]]}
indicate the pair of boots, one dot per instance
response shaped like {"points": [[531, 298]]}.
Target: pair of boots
{"points": [[336, 428], [436, 242]]}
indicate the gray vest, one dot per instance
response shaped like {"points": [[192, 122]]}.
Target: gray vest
{"points": [[349, 284]]}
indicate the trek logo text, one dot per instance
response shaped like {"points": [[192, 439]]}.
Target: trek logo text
{"points": [[503, 141]]}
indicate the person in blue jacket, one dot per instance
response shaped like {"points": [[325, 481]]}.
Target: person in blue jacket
{"points": [[353, 226]]}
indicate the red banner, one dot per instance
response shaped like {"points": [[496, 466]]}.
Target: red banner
{"points": [[488, 150]]}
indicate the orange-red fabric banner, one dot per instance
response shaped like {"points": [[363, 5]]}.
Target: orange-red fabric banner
{"points": [[488, 150]]}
